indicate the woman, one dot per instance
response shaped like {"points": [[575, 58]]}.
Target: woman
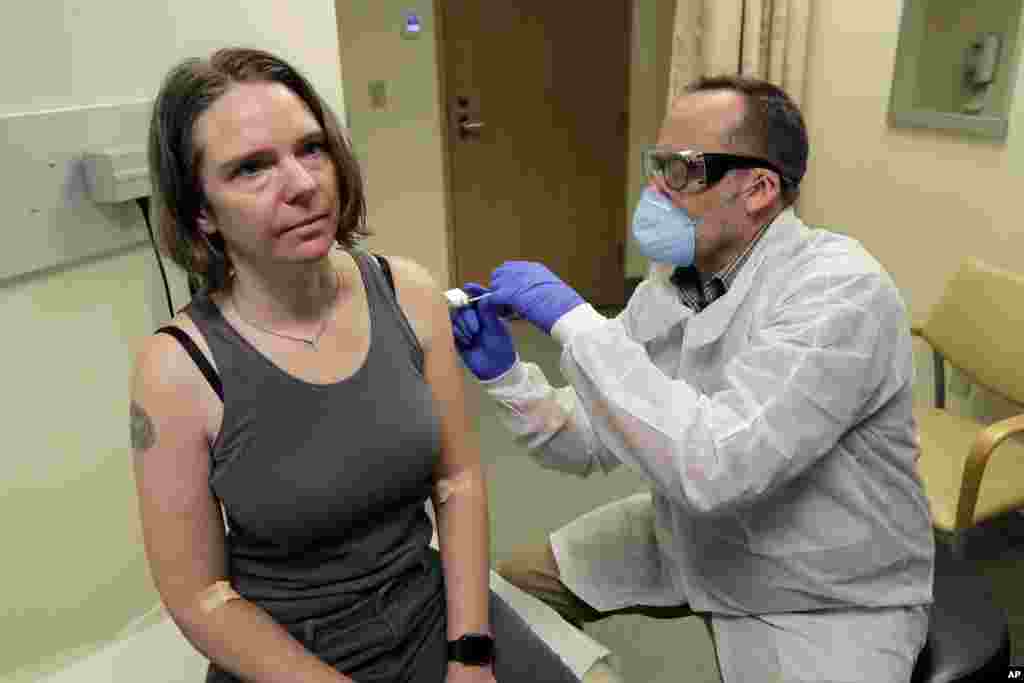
{"points": [[316, 401]]}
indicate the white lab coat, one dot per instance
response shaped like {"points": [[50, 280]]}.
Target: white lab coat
{"points": [[775, 429]]}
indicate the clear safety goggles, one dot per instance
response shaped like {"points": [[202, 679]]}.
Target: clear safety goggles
{"points": [[689, 171]]}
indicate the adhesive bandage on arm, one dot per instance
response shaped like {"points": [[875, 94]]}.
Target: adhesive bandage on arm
{"points": [[458, 484], [214, 596]]}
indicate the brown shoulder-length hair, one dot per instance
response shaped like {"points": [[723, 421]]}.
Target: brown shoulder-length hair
{"points": [[188, 90]]}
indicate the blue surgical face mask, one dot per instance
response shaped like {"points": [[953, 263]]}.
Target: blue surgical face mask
{"points": [[664, 232]]}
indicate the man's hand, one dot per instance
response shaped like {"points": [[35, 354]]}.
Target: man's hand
{"points": [[534, 292], [481, 337], [461, 673]]}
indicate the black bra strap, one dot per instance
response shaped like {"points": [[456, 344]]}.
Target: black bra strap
{"points": [[386, 267], [197, 357]]}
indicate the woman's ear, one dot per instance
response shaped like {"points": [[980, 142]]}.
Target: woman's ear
{"points": [[204, 222]]}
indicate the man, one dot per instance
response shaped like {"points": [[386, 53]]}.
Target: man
{"points": [[760, 379]]}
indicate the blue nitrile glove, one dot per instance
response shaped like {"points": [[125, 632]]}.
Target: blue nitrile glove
{"points": [[532, 291], [482, 339]]}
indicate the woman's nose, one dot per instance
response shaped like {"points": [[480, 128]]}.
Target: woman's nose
{"points": [[300, 182]]}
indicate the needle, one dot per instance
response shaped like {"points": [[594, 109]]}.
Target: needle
{"points": [[478, 298], [457, 298]]}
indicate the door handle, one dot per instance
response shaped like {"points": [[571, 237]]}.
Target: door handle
{"points": [[468, 128]]}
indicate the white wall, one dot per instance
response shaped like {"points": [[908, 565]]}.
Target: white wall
{"points": [[399, 146], [73, 570], [76, 53], [919, 200]]}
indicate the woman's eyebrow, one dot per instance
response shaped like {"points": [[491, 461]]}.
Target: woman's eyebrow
{"points": [[254, 155], [312, 136]]}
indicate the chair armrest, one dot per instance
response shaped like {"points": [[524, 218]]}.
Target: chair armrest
{"points": [[981, 450]]}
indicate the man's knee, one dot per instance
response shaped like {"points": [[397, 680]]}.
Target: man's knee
{"points": [[602, 672], [534, 570], [528, 565]]}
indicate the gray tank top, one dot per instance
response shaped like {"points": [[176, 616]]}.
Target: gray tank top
{"points": [[323, 485]]}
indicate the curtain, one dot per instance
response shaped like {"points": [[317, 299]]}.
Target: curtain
{"points": [[758, 38]]}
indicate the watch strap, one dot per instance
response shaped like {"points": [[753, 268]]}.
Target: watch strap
{"points": [[474, 649]]}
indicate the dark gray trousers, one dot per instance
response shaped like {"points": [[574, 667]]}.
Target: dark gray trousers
{"points": [[399, 635]]}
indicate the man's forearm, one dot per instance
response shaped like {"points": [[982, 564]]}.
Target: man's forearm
{"points": [[548, 422]]}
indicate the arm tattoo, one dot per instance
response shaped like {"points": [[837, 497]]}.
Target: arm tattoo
{"points": [[143, 431]]}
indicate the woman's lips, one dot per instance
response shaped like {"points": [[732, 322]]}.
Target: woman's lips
{"points": [[306, 223]]}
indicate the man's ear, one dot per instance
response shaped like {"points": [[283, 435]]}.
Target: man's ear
{"points": [[767, 188]]}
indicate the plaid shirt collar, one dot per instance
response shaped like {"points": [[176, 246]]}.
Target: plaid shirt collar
{"points": [[699, 291]]}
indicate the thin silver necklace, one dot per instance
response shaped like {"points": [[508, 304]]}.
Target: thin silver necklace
{"points": [[312, 342]]}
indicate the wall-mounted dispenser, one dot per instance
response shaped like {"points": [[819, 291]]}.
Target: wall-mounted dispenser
{"points": [[981, 64], [117, 174], [982, 59], [121, 174]]}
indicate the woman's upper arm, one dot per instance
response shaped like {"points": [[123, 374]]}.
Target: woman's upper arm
{"points": [[181, 521], [424, 304]]}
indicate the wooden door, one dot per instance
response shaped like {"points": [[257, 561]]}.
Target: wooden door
{"points": [[535, 95]]}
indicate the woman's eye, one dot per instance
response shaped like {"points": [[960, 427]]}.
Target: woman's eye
{"points": [[249, 168], [313, 148]]}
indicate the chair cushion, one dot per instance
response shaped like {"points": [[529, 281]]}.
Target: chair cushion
{"points": [[945, 443], [968, 629]]}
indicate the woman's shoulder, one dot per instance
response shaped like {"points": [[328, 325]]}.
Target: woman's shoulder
{"points": [[162, 360], [419, 295], [412, 274]]}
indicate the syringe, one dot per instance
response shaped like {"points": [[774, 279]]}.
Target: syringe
{"points": [[457, 298]]}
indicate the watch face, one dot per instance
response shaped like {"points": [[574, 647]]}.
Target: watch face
{"points": [[472, 648]]}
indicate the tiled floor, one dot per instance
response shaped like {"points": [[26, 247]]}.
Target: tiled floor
{"points": [[527, 502]]}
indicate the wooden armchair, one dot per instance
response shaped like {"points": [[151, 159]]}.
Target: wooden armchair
{"points": [[971, 472], [974, 472]]}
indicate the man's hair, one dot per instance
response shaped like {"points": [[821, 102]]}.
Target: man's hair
{"points": [[189, 90], [772, 127]]}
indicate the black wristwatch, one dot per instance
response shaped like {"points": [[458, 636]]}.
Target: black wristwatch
{"points": [[474, 649]]}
